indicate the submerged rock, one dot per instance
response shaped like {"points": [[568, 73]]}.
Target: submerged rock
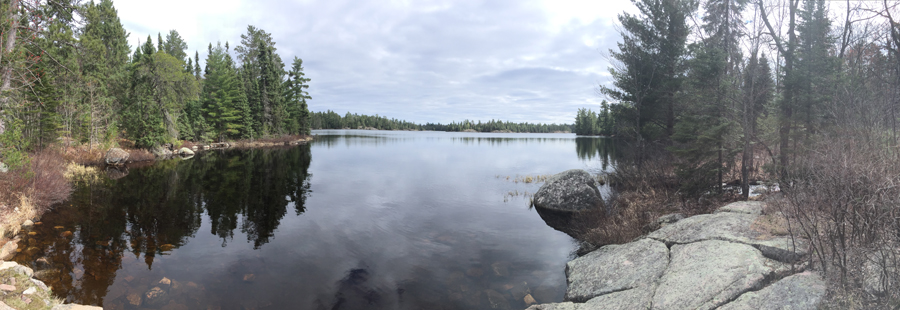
{"points": [[156, 296], [569, 191], [116, 173], [116, 156]]}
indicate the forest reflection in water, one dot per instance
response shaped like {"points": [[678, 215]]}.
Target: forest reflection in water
{"points": [[156, 209], [389, 226]]}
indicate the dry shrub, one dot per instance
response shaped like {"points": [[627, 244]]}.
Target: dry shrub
{"points": [[13, 216], [49, 184], [31, 190], [140, 155], [78, 173], [84, 155], [188, 144], [843, 194]]}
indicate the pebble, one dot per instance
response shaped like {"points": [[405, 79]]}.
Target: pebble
{"points": [[7, 287], [29, 291]]}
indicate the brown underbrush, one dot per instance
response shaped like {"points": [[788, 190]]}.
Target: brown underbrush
{"points": [[30, 190], [84, 155], [843, 195], [140, 155], [644, 188]]}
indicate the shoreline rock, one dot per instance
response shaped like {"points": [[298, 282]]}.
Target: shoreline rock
{"points": [[725, 260], [569, 191], [35, 289]]}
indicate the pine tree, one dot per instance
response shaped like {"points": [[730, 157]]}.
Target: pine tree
{"points": [[103, 44], [295, 97], [197, 65], [175, 46], [815, 66], [270, 91], [648, 75], [222, 95]]}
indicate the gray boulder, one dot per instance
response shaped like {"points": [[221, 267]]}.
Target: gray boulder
{"points": [[707, 274], [116, 156], [569, 191], [615, 268], [3, 168], [797, 292], [185, 152]]}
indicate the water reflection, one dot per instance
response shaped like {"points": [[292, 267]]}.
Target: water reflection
{"points": [[399, 220], [603, 149], [157, 209]]}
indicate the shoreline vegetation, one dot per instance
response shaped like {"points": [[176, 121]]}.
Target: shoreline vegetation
{"points": [[803, 97]]}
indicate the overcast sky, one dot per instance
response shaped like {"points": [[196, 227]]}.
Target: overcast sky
{"points": [[421, 61]]}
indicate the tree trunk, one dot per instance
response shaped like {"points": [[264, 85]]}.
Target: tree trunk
{"points": [[5, 86]]}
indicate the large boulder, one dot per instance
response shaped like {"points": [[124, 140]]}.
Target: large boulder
{"points": [[569, 191], [615, 268], [116, 156], [185, 152]]}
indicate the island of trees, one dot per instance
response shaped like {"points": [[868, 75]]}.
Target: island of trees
{"points": [[332, 120]]}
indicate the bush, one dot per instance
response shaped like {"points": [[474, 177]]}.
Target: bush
{"points": [[844, 196], [31, 190], [140, 155]]}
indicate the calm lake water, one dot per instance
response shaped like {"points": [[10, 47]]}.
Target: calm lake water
{"points": [[354, 220]]}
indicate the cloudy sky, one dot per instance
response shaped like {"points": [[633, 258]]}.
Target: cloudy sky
{"points": [[421, 61]]}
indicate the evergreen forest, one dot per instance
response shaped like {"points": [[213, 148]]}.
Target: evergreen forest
{"points": [[710, 97], [69, 74]]}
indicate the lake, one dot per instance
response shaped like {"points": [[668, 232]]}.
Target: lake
{"points": [[354, 220]]}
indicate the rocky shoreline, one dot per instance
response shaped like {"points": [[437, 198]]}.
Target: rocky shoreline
{"points": [[18, 287], [740, 257]]}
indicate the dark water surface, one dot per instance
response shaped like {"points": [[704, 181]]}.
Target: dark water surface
{"points": [[355, 220]]}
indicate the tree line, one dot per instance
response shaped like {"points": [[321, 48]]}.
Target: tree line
{"points": [[68, 73], [791, 91], [746, 76], [332, 120]]}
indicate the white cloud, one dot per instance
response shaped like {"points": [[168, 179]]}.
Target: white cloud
{"points": [[422, 61]]}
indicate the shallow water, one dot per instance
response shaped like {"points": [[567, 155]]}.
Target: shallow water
{"points": [[355, 220]]}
